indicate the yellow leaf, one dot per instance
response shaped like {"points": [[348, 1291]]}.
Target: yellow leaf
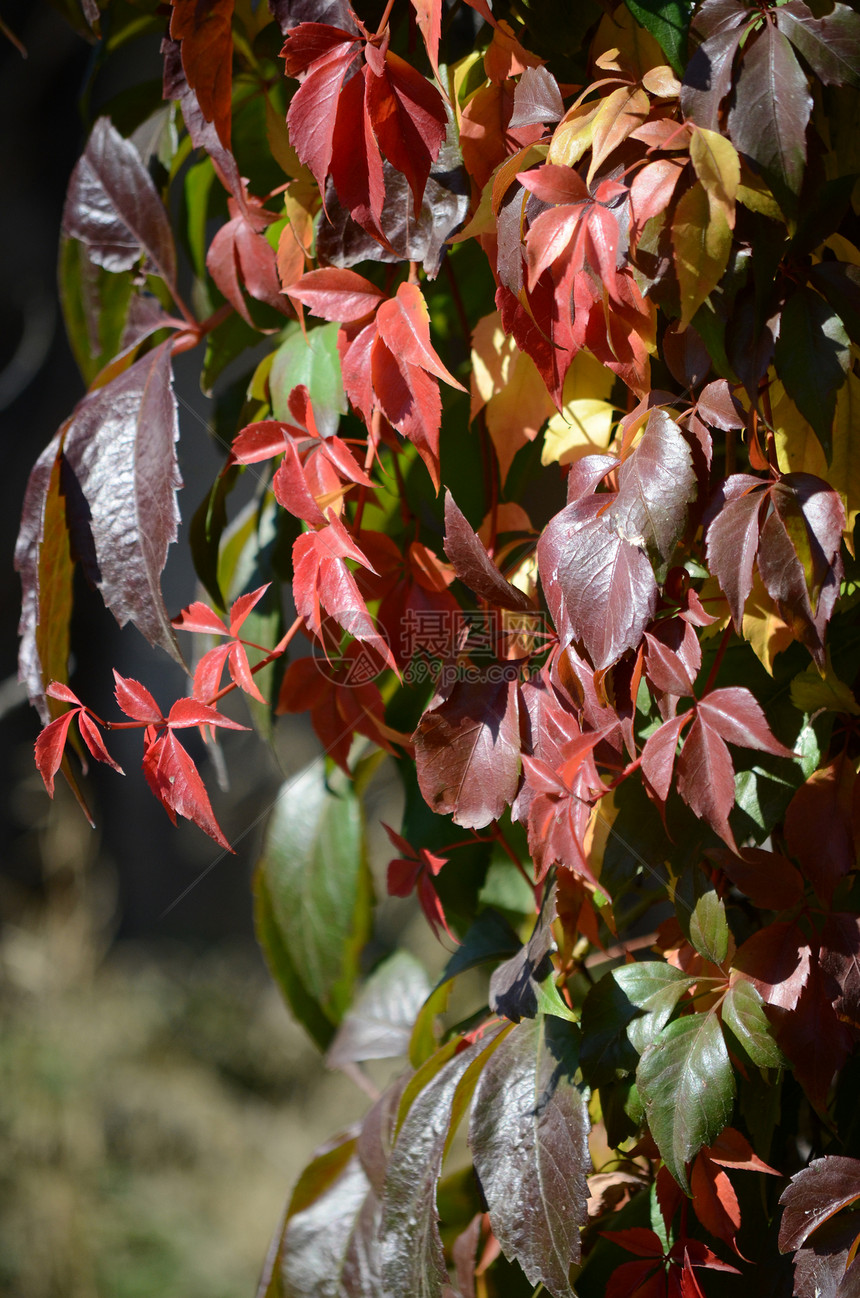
{"points": [[637, 50], [482, 221], [716, 163], [763, 627], [845, 250], [800, 451], [702, 239], [278, 138], [662, 83], [572, 137], [618, 116], [583, 429], [586, 377], [811, 692], [507, 382], [755, 195]]}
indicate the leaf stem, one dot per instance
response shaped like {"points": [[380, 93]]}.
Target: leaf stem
{"points": [[384, 20], [724, 644]]}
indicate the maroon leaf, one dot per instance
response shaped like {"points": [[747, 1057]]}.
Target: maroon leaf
{"points": [[528, 1137], [776, 960], [770, 881], [818, 828], [514, 984], [467, 751], [474, 566], [820, 1266], [120, 485], [206, 35], [599, 587], [537, 99], [655, 485], [813, 1038], [840, 960], [816, 1193], [718, 406], [202, 132], [114, 209], [658, 755], [706, 777], [830, 45], [708, 76], [735, 716], [665, 669], [733, 538], [771, 109]]}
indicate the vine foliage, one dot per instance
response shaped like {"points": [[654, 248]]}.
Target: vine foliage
{"points": [[554, 466]]}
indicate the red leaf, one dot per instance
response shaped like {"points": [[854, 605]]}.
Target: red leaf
{"points": [[175, 781], [404, 326], [240, 670], [260, 441], [714, 1200], [776, 960], [818, 829], [636, 1239], [658, 755], [409, 399], [325, 54], [50, 747], [356, 163], [813, 1038], [815, 1194], [408, 118], [770, 881], [467, 752], [428, 14], [207, 674], [637, 1279], [732, 540], [322, 579], [554, 184], [57, 690], [241, 257], [206, 33], [706, 777], [136, 701], [600, 589], [200, 617], [735, 716], [339, 295], [474, 566], [191, 712], [243, 605], [731, 1149], [94, 742]]}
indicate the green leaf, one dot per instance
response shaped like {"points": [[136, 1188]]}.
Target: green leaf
{"points": [[316, 363], [686, 1083], [550, 1000], [232, 338], [95, 304], [810, 692], [702, 915], [207, 527], [622, 1014], [668, 21], [316, 875], [307, 1011], [743, 1014], [529, 1140], [812, 358]]}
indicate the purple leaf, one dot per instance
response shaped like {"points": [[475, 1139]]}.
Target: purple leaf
{"points": [[474, 566], [708, 77], [830, 45], [467, 751], [379, 1023], [771, 110], [600, 589], [513, 985], [537, 99], [529, 1139], [718, 406], [655, 484], [120, 477], [732, 540], [413, 1261], [816, 1193], [113, 207], [42, 558]]}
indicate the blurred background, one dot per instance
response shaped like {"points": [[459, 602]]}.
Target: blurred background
{"points": [[156, 1101]]}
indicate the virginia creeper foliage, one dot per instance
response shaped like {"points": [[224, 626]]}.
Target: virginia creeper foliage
{"points": [[555, 445]]}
